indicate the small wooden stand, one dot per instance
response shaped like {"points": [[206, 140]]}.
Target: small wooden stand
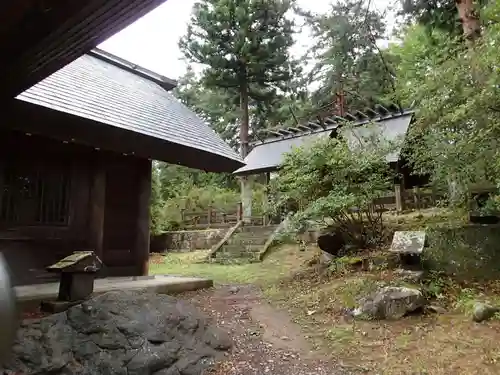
{"points": [[78, 273]]}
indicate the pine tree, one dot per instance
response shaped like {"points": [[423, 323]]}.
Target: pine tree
{"points": [[244, 46], [347, 56]]}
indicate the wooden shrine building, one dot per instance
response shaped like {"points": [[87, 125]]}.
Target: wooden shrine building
{"points": [[75, 164], [390, 123]]}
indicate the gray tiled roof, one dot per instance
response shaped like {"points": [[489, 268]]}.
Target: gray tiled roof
{"points": [[98, 90], [268, 156]]}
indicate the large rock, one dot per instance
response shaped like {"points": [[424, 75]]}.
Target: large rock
{"points": [[483, 311], [332, 243], [390, 303], [119, 333]]}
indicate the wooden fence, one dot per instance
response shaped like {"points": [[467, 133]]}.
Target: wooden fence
{"points": [[210, 218], [411, 199]]}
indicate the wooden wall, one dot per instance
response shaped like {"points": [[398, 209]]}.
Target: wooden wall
{"points": [[106, 195]]}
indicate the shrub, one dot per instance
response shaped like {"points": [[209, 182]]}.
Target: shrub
{"points": [[332, 181]]}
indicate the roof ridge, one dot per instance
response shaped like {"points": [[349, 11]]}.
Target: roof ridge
{"points": [[328, 123], [165, 82]]}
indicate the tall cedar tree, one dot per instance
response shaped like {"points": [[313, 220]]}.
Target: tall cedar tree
{"points": [[244, 45]]}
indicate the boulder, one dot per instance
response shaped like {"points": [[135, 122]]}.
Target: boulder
{"points": [[483, 311], [332, 243], [390, 303], [129, 333]]}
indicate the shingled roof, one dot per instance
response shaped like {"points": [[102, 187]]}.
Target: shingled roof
{"points": [[132, 112], [267, 155]]}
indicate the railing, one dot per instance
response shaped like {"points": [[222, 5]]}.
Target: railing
{"points": [[415, 199], [210, 218]]}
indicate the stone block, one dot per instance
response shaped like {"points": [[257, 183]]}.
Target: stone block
{"points": [[409, 242]]}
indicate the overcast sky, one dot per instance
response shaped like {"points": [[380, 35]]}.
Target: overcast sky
{"points": [[151, 42]]}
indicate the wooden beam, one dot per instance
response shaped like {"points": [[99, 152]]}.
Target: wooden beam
{"points": [[372, 113], [330, 121], [285, 132], [382, 110], [361, 115], [350, 117], [142, 222], [97, 205]]}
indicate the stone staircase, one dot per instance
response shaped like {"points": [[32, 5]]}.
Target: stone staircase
{"points": [[245, 245]]}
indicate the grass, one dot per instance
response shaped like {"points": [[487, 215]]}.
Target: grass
{"points": [[439, 344], [264, 274]]}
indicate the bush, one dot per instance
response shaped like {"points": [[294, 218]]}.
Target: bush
{"points": [[333, 182]]}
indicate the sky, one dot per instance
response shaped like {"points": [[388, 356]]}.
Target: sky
{"points": [[151, 42]]}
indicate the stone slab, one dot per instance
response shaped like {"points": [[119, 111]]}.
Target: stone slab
{"points": [[54, 307], [33, 295], [408, 242]]}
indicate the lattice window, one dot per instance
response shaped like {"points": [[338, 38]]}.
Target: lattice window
{"points": [[34, 194]]}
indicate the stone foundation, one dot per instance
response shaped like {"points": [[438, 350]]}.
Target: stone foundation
{"points": [[188, 240]]}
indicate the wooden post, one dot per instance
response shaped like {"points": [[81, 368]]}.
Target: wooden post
{"points": [[399, 198], [98, 206], [239, 211], [266, 198], [142, 226], [416, 196], [209, 215]]}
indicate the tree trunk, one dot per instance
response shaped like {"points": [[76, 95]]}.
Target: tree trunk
{"points": [[244, 126], [470, 19]]}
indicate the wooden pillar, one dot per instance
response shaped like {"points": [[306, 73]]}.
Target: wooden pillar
{"points": [[265, 203], [97, 206], [142, 224], [399, 188], [399, 198], [246, 197]]}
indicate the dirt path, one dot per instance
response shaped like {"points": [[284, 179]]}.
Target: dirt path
{"points": [[266, 341]]}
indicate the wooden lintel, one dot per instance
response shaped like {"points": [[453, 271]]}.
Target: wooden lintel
{"points": [[144, 169]]}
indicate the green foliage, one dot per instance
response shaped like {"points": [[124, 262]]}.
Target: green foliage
{"points": [[240, 42], [156, 205], [244, 49], [455, 138], [437, 14], [347, 56], [331, 181]]}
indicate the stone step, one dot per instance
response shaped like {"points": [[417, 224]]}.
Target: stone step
{"points": [[257, 229], [245, 241], [237, 249]]}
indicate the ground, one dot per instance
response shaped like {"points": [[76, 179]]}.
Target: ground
{"points": [[265, 339], [288, 317]]}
